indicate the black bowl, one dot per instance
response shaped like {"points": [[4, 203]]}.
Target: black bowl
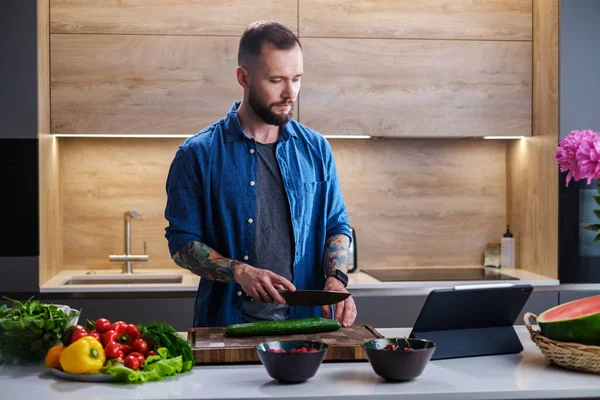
{"points": [[399, 364], [291, 367]]}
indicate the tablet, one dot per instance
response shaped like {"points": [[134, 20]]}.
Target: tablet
{"points": [[472, 320]]}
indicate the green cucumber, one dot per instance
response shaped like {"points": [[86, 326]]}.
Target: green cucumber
{"points": [[265, 328]]}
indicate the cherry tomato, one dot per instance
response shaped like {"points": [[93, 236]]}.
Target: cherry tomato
{"points": [[113, 350], [95, 335], [140, 346], [132, 362], [126, 349], [151, 353], [78, 334], [137, 355], [102, 325]]}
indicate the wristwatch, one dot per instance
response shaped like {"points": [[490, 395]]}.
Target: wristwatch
{"points": [[340, 276]]}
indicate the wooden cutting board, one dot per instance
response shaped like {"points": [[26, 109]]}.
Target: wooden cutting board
{"points": [[211, 347]]}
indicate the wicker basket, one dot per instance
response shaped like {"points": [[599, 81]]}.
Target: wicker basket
{"points": [[573, 356]]}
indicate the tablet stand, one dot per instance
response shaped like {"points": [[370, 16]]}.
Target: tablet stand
{"points": [[458, 343]]}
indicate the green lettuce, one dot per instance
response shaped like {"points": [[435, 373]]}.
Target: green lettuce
{"points": [[155, 368]]}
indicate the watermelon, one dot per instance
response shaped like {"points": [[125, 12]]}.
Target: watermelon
{"points": [[577, 321]]}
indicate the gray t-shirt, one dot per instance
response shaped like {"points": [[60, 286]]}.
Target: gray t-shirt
{"points": [[273, 246]]}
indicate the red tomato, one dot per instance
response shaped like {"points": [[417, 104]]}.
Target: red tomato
{"points": [[140, 346], [132, 362], [102, 325], [137, 355], [78, 334], [113, 350], [95, 335]]}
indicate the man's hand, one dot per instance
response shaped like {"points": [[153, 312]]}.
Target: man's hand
{"points": [[345, 311], [261, 284]]}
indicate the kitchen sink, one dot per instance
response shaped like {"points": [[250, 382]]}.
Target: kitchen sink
{"points": [[117, 279]]}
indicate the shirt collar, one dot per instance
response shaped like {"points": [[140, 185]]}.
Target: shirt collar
{"points": [[233, 127]]}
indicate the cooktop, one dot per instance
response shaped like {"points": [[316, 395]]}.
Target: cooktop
{"points": [[437, 274]]}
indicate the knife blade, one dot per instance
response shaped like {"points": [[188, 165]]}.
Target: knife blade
{"points": [[313, 297]]}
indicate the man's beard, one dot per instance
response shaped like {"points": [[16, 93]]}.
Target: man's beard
{"points": [[265, 113]]}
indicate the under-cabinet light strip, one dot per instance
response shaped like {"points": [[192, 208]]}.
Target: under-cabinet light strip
{"points": [[503, 137], [133, 135]]}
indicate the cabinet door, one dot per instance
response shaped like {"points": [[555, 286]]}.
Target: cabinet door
{"points": [[417, 19], [19, 247], [571, 295], [416, 88], [19, 199], [18, 69], [176, 311]]}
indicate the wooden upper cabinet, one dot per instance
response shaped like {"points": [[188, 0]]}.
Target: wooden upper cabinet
{"points": [[416, 88], [168, 17], [417, 19], [141, 83]]}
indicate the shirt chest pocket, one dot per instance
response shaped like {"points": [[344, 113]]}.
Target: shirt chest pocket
{"points": [[313, 201]]}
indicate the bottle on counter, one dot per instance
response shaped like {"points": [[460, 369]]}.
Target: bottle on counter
{"points": [[507, 249]]}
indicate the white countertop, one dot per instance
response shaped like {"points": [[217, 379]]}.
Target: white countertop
{"points": [[360, 283], [515, 376]]}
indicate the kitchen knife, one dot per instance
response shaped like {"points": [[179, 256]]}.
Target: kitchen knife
{"points": [[313, 297]]}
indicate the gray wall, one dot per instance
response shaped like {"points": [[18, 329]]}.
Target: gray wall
{"points": [[579, 65], [579, 109], [18, 69], [19, 232]]}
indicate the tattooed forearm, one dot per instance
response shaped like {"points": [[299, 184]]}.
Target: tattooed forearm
{"points": [[205, 262], [336, 254]]}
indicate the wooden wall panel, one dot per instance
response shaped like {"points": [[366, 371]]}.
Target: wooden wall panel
{"points": [[104, 178], [412, 202], [431, 19], [532, 170], [172, 17], [50, 224], [141, 84], [422, 202], [415, 88]]}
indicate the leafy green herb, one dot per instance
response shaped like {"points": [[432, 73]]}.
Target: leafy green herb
{"points": [[164, 335], [28, 330]]}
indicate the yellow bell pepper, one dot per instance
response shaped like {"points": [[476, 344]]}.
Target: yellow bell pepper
{"points": [[84, 356]]}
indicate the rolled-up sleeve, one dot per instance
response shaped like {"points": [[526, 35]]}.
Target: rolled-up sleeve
{"points": [[337, 218], [184, 201]]}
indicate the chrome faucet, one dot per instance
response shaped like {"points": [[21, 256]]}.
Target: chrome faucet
{"points": [[128, 258]]}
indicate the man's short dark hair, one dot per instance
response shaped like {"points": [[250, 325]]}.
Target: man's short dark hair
{"points": [[260, 32]]}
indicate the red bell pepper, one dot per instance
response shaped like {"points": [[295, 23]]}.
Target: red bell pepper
{"points": [[124, 334], [119, 342]]}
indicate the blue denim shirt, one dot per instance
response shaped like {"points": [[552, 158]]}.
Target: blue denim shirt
{"points": [[210, 199]]}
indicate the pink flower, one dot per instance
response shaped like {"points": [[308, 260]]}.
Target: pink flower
{"points": [[588, 158], [579, 153]]}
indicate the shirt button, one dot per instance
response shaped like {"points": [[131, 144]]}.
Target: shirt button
{"points": [[250, 220], [246, 258], [239, 293], [252, 183], [251, 151]]}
